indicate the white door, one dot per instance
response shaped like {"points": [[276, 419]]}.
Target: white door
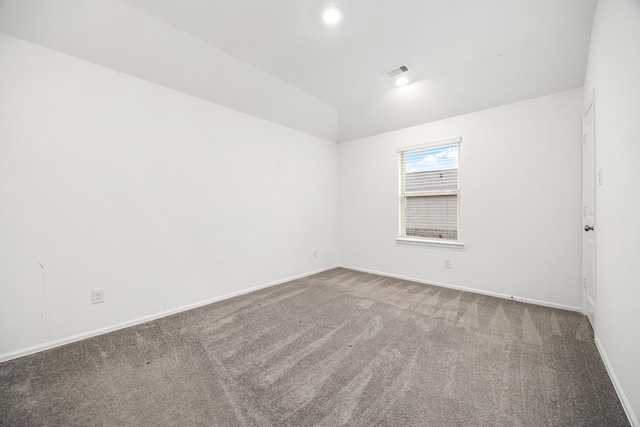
{"points": [[588, 213]]}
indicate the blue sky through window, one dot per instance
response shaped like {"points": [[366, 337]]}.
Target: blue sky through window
{"points": [[432, 159]]}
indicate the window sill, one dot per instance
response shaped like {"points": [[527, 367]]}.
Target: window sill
{"points": [[427, 242]]}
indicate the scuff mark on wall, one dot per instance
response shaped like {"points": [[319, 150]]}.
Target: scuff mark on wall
{"points": [[42, 267], [42, 304]]}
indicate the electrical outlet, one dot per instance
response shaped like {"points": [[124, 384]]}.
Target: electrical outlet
{"points": [[315, 253], [97, 296], [447, 263]]}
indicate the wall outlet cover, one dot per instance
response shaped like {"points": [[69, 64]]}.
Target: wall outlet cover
{"points": [[97, 296]]}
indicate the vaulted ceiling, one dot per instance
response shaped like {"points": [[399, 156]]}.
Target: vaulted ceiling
{"points": [[276, 60], [535, 39]]}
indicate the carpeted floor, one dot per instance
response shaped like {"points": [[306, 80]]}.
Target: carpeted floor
{"points": [[337, 348]]}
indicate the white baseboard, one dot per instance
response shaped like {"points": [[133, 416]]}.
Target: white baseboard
{"points": [[472, 290], [79, 337], [616, 384]]}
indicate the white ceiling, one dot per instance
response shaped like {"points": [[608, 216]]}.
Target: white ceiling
{"points": [[274, 59], [542, 43]]}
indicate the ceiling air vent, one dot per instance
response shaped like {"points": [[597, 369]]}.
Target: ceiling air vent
{"points": [[394, 72]]}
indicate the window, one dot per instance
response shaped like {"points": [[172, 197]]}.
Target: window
{"points": [[430, 193]]}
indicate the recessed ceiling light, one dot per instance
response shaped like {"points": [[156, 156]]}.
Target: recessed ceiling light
{"points": [[332, 15], [402, 81]]}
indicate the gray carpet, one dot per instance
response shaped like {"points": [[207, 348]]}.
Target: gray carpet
{"points": [[337, 348]]}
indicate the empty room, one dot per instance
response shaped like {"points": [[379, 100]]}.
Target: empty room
{"points": [[319, 213]]}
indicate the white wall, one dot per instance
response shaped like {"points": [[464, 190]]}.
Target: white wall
{"points": [[520, 180], [119, 36], [613, 71], [162, 199]]}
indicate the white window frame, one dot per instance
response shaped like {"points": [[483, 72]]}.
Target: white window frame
{"points": [[401, 214]]}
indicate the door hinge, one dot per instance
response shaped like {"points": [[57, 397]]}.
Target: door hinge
{"points": [[584, 139]]}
